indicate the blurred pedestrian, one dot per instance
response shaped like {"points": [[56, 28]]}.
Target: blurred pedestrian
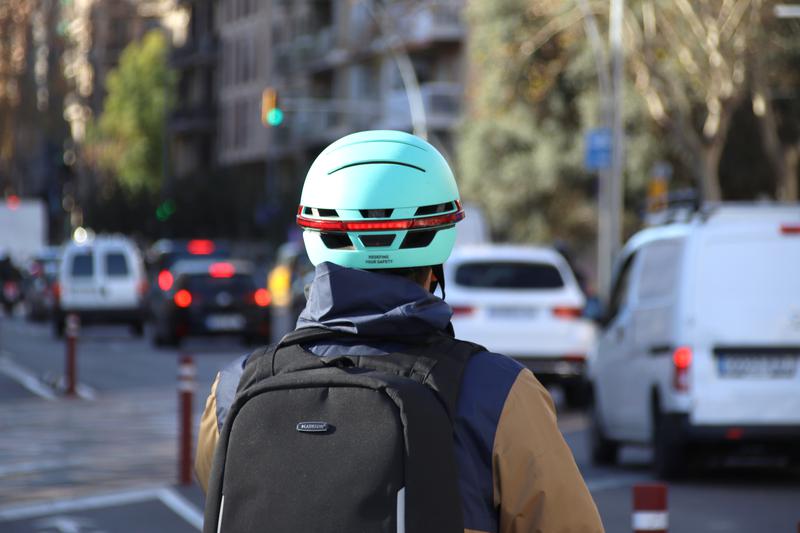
{"points": [[303, 440]]}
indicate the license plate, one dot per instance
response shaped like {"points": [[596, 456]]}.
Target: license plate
{"points": [[765, 366], [512, 312], [225, 322]]}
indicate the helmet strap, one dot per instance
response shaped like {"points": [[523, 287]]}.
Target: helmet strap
{"points": [[438, 279]]}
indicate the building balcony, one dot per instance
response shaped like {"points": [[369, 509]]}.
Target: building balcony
{"points": [[436, 22], [192, 119], [442, 102]]}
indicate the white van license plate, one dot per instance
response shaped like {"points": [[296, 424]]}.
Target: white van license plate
{"points": [[225, 322], [765, 366]]}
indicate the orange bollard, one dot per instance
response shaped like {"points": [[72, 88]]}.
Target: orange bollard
{"points": [[650, 508], [186, 378], [72, 330]]}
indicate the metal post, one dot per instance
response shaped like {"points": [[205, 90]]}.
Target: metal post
{"points": [[650, 509], [186, 378], [615, 203], [72, 329]]}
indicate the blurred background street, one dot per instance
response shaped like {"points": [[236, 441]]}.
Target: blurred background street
{"points": [[629, 170]]}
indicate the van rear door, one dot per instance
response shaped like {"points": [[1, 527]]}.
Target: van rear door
{"points": [[80, 289], [120, 279], [746, 369]]}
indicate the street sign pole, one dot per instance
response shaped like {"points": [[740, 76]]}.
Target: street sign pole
{"points": [[615, 203]]}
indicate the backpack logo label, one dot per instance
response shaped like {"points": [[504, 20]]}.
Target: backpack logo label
{"points": [[313, 427]]}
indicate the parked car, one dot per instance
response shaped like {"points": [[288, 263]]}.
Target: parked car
{"points": [[164, 253], [701, 339], [102, 281], [40, 282], [523, 301], [211, 297]]}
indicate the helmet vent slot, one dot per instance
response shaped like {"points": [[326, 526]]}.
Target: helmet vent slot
{"points": [[313, 211], [376, 213], [398, 163], [418, 239], [377, 240], [434, 209], [336, 241]]}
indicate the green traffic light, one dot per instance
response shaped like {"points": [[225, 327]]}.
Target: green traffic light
{"points": [[274, 116]]}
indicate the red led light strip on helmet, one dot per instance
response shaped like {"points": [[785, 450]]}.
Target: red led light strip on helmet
{"points": [[380, 225]]}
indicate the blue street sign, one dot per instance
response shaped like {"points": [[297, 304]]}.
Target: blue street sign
{"points": [[598, 144]]}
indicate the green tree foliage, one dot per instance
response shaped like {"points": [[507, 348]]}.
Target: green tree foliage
{"points": [[532, 94], [128, 139]]}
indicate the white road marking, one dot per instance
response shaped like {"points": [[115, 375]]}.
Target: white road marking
{"points": [[614, 482], [79, 504], [177, 503], [181, 507], [24, 377], [39, 466]]}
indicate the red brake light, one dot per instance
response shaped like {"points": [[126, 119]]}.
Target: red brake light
{"points": [[56, 291], [13, 202], [379, 225], [262, 297], [567, 312], [682, 360], [462, 310], [165, 280], [200, 247], [221, 270], [183, 298], [790, 229]]}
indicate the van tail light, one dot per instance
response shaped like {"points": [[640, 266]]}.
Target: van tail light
{"points": [[57, 291], [142, 288], [462, 310], [262, 297], [790, 229], [575, 358], [182, 298], [165, 280], [567, 312], [681, 360]]}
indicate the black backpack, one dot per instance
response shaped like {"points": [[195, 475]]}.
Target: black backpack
{"points": [[341, 444]]}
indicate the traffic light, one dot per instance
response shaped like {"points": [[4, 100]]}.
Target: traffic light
{"points": [[165, 210], [271, 113]]}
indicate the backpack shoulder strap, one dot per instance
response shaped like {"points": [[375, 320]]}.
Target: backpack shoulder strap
{"points": [[452, 356]]}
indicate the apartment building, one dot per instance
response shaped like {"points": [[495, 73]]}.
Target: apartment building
{"points": [[335, 65]]}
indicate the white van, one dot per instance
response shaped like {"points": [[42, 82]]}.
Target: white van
{"points": [[102, 281], [701, 338]]}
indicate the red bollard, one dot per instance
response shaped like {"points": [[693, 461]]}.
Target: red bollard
{"points": [[72, 329], [650, 508], [186, 375]]}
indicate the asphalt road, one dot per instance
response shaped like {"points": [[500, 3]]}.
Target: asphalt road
{"points": [[94, 463]]}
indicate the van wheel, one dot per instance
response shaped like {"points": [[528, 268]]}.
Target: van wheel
{"points": [[669, 447], [604, 450], [58, 326], [137, 328]]}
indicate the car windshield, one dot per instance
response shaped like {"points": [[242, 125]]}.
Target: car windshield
{"points": [[205, 284], [82, 265], [116, 264], [509, 275]]}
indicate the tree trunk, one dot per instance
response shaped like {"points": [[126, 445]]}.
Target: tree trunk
{"points": [[787, 186], [709, 186]]}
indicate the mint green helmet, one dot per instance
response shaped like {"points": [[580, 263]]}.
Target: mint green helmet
{"points": [[379, 199]]}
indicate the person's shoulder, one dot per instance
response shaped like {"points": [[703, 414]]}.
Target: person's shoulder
{"points": [[489, 377]]}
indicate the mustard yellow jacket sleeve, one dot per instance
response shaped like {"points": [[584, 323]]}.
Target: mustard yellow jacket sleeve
{"points": [[207, 438], [537, 485]]}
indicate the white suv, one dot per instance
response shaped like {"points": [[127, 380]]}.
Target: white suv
{"points": [[701, 338], [523, 301], [102, 280]]}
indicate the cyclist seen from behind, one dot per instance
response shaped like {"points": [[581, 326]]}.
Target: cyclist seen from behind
{"points": [[371, 416]]}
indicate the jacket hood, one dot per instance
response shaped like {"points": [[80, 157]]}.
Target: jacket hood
{"points": [[372, 304]]}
